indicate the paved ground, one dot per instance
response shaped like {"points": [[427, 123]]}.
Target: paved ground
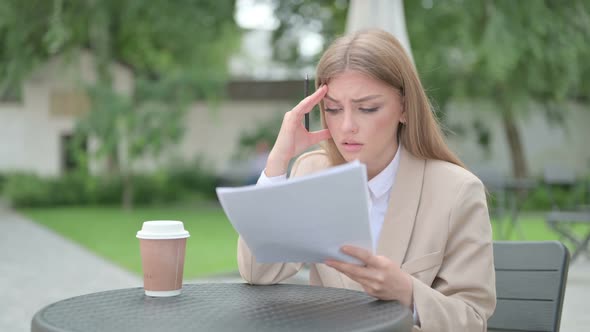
{"points": [[575, 315], [39, 267]]}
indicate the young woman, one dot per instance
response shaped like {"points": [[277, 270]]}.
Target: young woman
{"points": [[429, 214]]}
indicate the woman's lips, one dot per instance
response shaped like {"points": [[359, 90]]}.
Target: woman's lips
{"points": [[352, 147]]}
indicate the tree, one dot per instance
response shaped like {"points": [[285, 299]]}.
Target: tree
{"points": [[506, 52], [296, 17], [176, 50], [131, 128], [153, 39]]}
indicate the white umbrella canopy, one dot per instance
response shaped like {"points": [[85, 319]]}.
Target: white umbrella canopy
{"points": [[385, 14]]}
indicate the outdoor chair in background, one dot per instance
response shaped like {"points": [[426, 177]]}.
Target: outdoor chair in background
{"points": [[495, 184], [569, 218], [507, 196], [530, 285]]}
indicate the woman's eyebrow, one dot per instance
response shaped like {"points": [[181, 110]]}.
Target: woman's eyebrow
{"points": [[359, 100]]}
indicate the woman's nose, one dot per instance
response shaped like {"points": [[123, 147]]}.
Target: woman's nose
{"points": [[349, 123]]}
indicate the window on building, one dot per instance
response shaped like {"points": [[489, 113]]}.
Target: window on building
{"points": [[68, 103]]}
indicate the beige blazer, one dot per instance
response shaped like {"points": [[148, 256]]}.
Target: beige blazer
{"points": [[436, 227]]}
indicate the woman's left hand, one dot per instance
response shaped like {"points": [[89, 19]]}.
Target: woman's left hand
{"points": [[380, 276]]}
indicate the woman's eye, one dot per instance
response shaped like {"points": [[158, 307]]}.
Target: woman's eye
{"points": [[369, 110], [331, 110]]}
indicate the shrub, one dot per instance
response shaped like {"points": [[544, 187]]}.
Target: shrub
{"points": [[183, 180], [540, 198], [195, 178], [70, 189], [2, 181], [27, 190]]}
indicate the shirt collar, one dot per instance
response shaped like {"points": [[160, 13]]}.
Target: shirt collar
{"points": [[383, 182]]}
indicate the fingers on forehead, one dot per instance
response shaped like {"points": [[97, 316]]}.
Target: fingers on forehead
{"points": [[316, 96], [307, 104]]}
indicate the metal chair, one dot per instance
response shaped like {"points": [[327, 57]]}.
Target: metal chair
{"points": [[530, 285], [508, 196], [495, 184], [565, 215]]}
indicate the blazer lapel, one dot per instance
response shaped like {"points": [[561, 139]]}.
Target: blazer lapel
{"points": [[402, 208]]}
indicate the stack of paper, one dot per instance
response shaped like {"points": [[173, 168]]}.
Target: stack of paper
{"points": [[305, 219]]}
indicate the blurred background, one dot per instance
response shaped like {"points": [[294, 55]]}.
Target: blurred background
{"points": [[128, 90], [116, 112]]}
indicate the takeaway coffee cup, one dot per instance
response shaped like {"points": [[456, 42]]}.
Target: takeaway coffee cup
{"points": [[162, 244]]}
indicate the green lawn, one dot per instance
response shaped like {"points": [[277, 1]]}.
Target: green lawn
{"points": [[110, 232], [534, 228], [211, 249]]}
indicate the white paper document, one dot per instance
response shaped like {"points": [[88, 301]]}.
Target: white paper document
{"points": [[306, 219]]}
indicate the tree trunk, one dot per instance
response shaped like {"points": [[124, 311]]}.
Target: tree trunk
{"points": [[112, 163], [519, 164], [127, 199]]}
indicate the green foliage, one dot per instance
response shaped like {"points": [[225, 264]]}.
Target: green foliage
{"points": [[196, 177], [510, 53], [134, 129], [176, 184], [565, 197], [154, 39], [21, 39], [266, 132], [20, 188], [326, 17], [25, 189], [542, 198], [521, 49]]}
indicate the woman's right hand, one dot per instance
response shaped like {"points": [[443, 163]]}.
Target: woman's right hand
{"points": [[293, 138]]}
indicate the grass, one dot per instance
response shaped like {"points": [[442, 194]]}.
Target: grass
{"points": [[110, 233], [211, 249], [534, 228]]}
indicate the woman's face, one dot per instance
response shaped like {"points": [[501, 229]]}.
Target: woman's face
{"points": [[363, 114]]}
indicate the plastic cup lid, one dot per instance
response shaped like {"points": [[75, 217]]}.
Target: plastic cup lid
{"points": [[162, 229]]}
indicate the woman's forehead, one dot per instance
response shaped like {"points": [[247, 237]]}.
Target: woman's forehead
{"points": [[356, 86]]}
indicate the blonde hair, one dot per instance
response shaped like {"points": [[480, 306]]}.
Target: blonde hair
{"points": [[379, 55]]}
